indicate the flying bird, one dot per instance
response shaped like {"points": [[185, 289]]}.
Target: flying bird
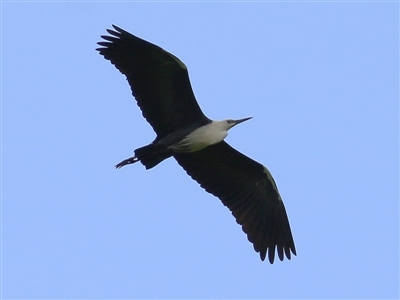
{"points": [[160, 84]]}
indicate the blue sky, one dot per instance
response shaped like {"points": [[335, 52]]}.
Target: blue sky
{"points": [[321, 80]]}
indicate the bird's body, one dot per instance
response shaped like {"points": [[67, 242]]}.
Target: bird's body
{"points": [[161, 86], [185, 140]]}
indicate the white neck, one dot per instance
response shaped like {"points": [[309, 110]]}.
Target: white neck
{"points": [[205, 136]]}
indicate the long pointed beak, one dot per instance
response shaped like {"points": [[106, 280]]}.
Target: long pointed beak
{"points": [[242, 120]]}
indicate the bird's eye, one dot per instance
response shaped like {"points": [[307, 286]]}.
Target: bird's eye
{"points": [[230, 121]]}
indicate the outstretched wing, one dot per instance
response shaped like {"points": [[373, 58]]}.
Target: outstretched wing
{"points": [[249, 191], [159, 81]]}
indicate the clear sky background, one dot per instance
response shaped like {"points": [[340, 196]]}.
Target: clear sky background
{"points": [[321, 80]]}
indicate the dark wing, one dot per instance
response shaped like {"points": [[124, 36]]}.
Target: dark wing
{"points": [[159, 81], [249, 191]]}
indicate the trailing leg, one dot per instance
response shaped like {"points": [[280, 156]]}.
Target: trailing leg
{"points": [[150, 156], [130, 160]]}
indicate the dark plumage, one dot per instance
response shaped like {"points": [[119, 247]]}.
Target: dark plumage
{"points": [[160, 83]]}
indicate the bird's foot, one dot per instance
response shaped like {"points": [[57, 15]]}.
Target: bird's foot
{"points": [[130, 160]]}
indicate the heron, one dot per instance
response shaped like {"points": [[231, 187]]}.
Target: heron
{"points": [[160, 84]]}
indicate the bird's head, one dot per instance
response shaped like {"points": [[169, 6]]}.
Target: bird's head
{"points": [[231, 123]]}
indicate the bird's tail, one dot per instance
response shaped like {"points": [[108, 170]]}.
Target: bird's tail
{"points": [[151, 155]]}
